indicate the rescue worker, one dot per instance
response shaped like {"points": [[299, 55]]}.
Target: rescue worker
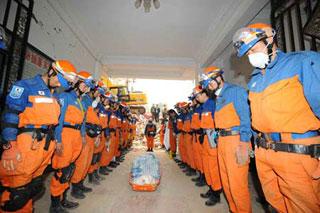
{"points": [[197, 131], [172, 126], [209, 149], [70, 135], [162, 132], [284, 102], [150, 133], [107, 153], [93, 130], [180, 153], [27, 142], [232, 121], [99, 146]]}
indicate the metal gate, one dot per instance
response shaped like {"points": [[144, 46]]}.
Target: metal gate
{"points": [[12, 58], [297, 23]]}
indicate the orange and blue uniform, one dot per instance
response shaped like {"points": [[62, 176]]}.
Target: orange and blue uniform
{"points": [[180, 137], [285, 107], [31, 112], [150, 133], [196, 127], [92, 124], [173, 131], [232, 119], [188, 143], [209, 154], [69, 132]]}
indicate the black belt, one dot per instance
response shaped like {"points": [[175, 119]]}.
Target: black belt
{"points": [[40, 133], [225, 133], [199, 131], [112, 130], [77, 126], [312, 150]]}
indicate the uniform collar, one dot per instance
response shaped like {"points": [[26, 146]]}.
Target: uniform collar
{"points": [[220, 92], [42, 84], [74, 93]]}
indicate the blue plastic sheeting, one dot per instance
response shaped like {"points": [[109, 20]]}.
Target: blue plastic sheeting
{"points": [[145, 170]]}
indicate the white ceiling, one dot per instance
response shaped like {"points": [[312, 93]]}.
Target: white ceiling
{"points": [[181, 30], [118, 29]]}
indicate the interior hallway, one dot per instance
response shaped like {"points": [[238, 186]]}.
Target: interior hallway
{"points": [[175, 194]]}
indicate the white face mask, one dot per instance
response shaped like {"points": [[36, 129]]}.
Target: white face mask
{"points": [[259, 60]]}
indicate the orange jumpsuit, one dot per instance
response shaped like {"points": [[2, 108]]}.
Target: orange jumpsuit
{"points": [[284, 104], [195, 126], [84, 160], [172, 136], [210, 154], [69, 132], [233, 114], [31, 103], [150, 132]]}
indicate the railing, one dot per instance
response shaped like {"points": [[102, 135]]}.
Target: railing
{"points": [[297, 23]]}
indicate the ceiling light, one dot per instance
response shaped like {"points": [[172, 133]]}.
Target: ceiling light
{"points": [[147, 4]]}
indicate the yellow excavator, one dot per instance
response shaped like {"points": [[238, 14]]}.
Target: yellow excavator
{"points": [[135, 99]]}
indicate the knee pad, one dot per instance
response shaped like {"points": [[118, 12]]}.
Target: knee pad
{"points": [[66, 173], [18, 198], [36, 187]]}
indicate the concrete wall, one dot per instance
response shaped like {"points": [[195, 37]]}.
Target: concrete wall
{"points": [[55, 36]]}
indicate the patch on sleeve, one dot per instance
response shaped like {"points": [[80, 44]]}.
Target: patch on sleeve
{"points": [[16, 92]]}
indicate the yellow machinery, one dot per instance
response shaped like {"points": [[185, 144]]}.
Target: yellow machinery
{"points": [[136, 100]]}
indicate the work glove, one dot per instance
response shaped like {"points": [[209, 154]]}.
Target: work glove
{"points": [[97, 142], [11, 157], [242, 153], [59, 149], [108, 144], [316, 173]]}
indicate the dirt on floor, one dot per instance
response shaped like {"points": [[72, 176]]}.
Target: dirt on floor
{"points": [[176, 192]]}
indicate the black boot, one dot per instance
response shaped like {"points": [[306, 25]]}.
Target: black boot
{"points": [[76, 191], [214, 198], [151, 150], [84, 188], [55, 206], [207, 194], [108, 170], [202, 181], [67, 203], [103, 171], [191, 172], [97, 176], [113, 164], [93, 180], [196, 179]]}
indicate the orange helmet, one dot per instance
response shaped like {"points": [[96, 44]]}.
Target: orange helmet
{"points": [[210, 73], [66, 72], [86, 77], [245, 38], [65, 67]]}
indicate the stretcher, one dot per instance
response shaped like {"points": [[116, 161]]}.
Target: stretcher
{"points": [[145, 173]]}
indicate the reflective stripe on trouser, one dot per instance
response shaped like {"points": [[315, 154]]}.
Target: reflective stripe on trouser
{"points": [[210, 165], [234, 178], [286, 178], [83, 162], [72, 145], [150, 142]]}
